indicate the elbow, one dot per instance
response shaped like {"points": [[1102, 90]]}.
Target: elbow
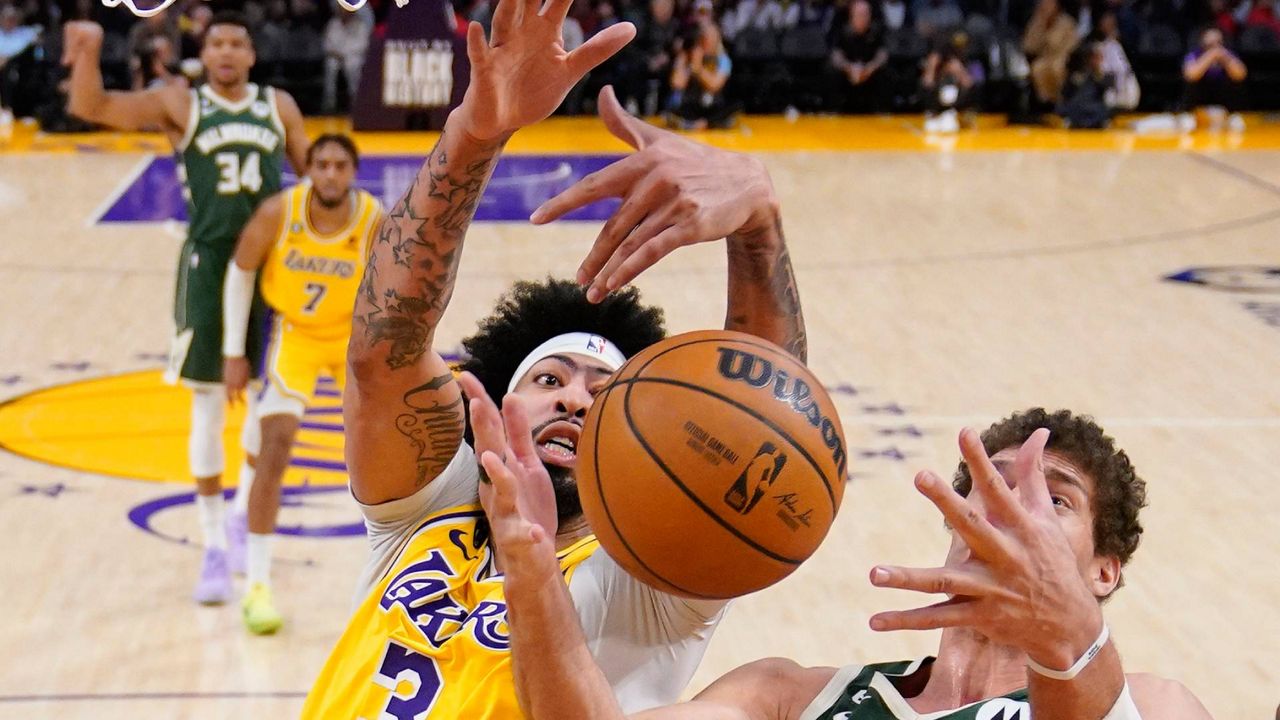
{"points": [[365, 365], [82, 109]]}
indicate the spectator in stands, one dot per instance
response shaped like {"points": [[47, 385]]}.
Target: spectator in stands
{"points": [[193, 25], [809, 13], [1124, 93], [698, 78], [1263, 14], [155, 65], [654, 44], [949, 83], [759, 14], [346, 38], [895, 14], [1084, 103], [143, 32], [1049, 39], [858, 57], [1222, 15], [1215, 79], [937, 18], [15, 38]]}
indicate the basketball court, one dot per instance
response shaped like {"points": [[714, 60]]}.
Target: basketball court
{"points": [[945, 282]]}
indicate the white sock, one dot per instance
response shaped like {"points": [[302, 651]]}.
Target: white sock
{"points": [[240, 504], [210, 508], [259, 558]]}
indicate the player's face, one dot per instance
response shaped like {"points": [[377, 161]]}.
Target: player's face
{"points": [[1072, 491], [227, 54], [557, 392], [332, 173]]}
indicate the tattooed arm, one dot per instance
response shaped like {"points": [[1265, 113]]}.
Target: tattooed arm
{"points": [[676, 192], [403, 410], [763, 297]]}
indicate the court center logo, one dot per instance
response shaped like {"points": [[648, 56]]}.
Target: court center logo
{"points": [[756, 479]]}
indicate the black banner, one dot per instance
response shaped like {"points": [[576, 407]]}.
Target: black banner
{"points": [[416, 69]]}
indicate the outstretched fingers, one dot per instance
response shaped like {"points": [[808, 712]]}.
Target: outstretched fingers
{"points": [[611, 181], [602, 46], [987, 480], [943, 580], [1028, 468], [622, 124], [963, 517], [955, 612], [519, 433]]}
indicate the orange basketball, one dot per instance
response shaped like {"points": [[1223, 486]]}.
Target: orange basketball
{"points": [[712, 465]]}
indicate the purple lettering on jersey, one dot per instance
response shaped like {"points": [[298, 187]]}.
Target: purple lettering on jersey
{"points": [[422, 590], [520, 184], [485, 621]]}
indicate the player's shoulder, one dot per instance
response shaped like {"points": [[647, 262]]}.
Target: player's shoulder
{"points": [[1163, 697], [285, 102]]}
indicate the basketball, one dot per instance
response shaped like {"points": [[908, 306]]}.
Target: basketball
{"points": [[713, 464]]}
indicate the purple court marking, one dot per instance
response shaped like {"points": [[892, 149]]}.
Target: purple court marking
{"points": [[51, 491], [520, 184], [292, 497], [79, 697]]}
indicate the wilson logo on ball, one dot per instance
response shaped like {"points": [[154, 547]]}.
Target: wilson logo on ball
{"points": [[759, 372]]}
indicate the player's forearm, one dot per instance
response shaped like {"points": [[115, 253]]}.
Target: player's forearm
{"points": [[413, 262], [763, 297], [1088, 696], [86, 96], [556, 677]]}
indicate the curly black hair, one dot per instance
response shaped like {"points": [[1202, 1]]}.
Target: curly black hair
{"points": [[533, 312], [1118, 493]]}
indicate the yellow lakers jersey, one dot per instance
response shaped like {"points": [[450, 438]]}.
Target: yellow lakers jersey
{"points": [[431, 639], [312, 279]]}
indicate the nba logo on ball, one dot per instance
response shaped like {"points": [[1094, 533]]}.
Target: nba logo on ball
{"points": [[712, 465]]}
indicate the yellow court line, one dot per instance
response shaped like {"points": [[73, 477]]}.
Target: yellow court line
{"points": [[754, 134]]}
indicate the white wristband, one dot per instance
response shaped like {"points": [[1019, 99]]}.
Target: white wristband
{"points": [[1079, 665], [237, 300], [1124, 709]]}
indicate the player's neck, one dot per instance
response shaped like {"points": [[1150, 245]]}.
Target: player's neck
{"points": [[328, 220], [235, 92], [571, 531], [970, 668]]}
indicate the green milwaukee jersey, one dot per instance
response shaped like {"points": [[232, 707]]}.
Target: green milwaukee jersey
{"points": [[879, 692], [230, 161]]}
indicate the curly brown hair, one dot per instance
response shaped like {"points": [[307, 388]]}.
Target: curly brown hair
{"points": [[533, 312], [1118, 493]]}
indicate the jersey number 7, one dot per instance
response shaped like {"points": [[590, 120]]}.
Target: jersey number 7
{"points": [[315, 293]]}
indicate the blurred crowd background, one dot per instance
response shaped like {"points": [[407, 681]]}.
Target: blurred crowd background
{"points": [[698, 63]]}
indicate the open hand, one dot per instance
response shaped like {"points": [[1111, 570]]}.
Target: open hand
{"points": [[1021, 585], [674, 191], [515, 488], [522, 72]]}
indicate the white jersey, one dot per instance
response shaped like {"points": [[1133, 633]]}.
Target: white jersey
{"points": [[648, 643]]}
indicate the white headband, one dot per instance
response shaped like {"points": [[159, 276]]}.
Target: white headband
{"points": [[577, 343]]}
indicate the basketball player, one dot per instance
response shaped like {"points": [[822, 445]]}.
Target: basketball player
{"points": [[428, 637], [1039, 539], [231, 137], [310, 243]]}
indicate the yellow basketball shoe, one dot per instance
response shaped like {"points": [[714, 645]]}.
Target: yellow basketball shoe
{"points": [[259, 610]]}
